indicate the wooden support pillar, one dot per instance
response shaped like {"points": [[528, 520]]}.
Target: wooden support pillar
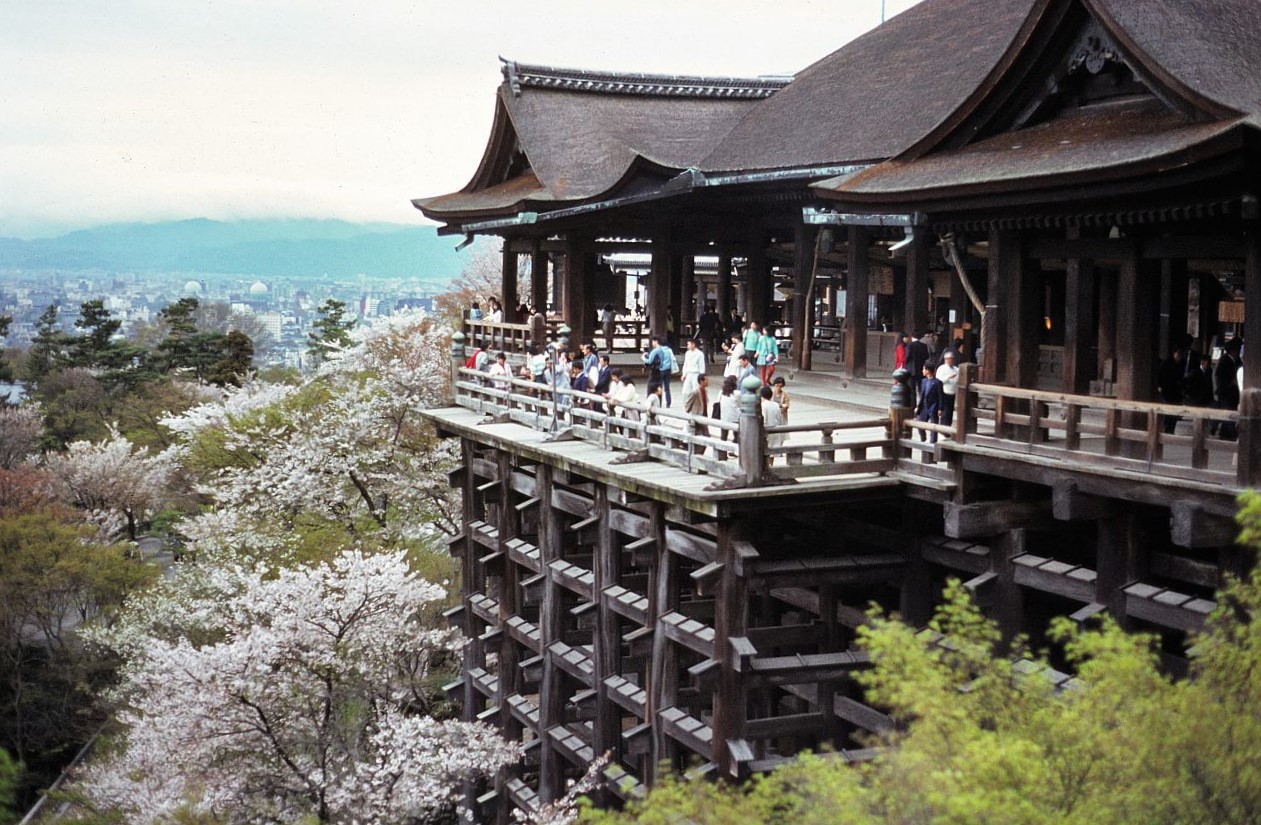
{"points": [[1024, 313], [758, 283], [474, 653], [802, 303], [509, 649], [659, 284], [1003, 246], [1117, 562], [730, 622], [1252, 308], [579, 309], [508, 282], [538, 279], [915, 293], [723, 287], [1009, 597], [1136, 329], [674, 312], [856, 296], [688, 309], [1079, 323], [606, 728], [1106, 282], [552, 691], [1173, 305], [663, 674]]}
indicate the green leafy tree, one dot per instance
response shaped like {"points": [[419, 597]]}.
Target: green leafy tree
{"points": [[984, 736], [10, 776], [6, 369], [93, 347], [235, 362], [53, 577], [49, 348], [331, 331]]}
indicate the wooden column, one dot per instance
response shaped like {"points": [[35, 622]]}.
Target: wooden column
{"points": [[1106, 281], [723, 288], [509, 649], [1136, 308], [687, 295], [474, 652], [675, 310], [856, 303], [538, 279], [551, 692], [508, 282], [663, 687], [578, 309], [1002, 248], [802, 310], [758, 283], [1117, 562], [1024, 313], [1252, 308], [1079, 323], [730, 621], [1173, 305], [659, 284], [606, 728], [915, 293]]}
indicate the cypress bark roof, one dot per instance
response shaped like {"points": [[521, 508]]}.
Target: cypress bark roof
{"points": [[1196, 65], [566, 135], [878, 94]]}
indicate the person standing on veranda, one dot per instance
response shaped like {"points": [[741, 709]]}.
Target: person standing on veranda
{"points": [[693, 366], [948, 375]]}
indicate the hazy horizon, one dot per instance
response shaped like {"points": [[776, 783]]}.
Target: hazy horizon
{"points": [[145, 111]]}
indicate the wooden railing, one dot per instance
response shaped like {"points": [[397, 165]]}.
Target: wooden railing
{"points": [[818, 455], [1109, 433], [693, 443], [513, 339]]}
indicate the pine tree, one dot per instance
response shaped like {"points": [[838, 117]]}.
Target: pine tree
{"points": [[332, 331]]}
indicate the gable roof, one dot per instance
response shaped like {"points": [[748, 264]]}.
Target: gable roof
{"points": [[1200, 91], [568, 135], [878, 94]]}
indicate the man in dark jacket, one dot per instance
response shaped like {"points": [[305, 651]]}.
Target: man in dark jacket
{"points": [[916, 356], [1226, 382]]}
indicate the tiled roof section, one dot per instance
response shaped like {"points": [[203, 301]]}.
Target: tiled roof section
{"points": [[1095, 144], [877, 95], [521, 75]]}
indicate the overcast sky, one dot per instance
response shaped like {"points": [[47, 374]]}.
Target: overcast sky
{"points": [[123, 110]]}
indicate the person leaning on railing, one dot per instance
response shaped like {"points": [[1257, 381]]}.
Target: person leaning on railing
{"points": [[729, 405]]}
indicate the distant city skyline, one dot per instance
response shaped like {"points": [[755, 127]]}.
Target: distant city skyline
{"points": [[143, 110]]}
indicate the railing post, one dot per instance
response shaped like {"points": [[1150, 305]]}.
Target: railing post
{"points": [[1248, 445], [752, 433], [457, 361], [901, 399], [964, 422]]}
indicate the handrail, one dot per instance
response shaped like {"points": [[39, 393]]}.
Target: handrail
{"points": [[1096, 402], [678, 438], [1128, 434]]}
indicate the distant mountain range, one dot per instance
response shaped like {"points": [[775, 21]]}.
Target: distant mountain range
{"points": [[254, 247]]}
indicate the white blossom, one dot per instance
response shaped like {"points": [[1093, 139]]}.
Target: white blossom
{"points": [[304, 703], [115, 482]]}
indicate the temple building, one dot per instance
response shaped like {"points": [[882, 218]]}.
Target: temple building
{"points": [[1067, 188]]}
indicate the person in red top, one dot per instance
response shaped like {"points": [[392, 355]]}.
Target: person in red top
{"points": [[899, 352]]}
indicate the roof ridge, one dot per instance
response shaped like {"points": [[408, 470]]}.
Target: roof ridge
{"points": [[520, 75]]}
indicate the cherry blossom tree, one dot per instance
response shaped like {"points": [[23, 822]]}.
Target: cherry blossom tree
{"points": [[298, 695], [347, 445], [114, 482], [20, 431]]}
